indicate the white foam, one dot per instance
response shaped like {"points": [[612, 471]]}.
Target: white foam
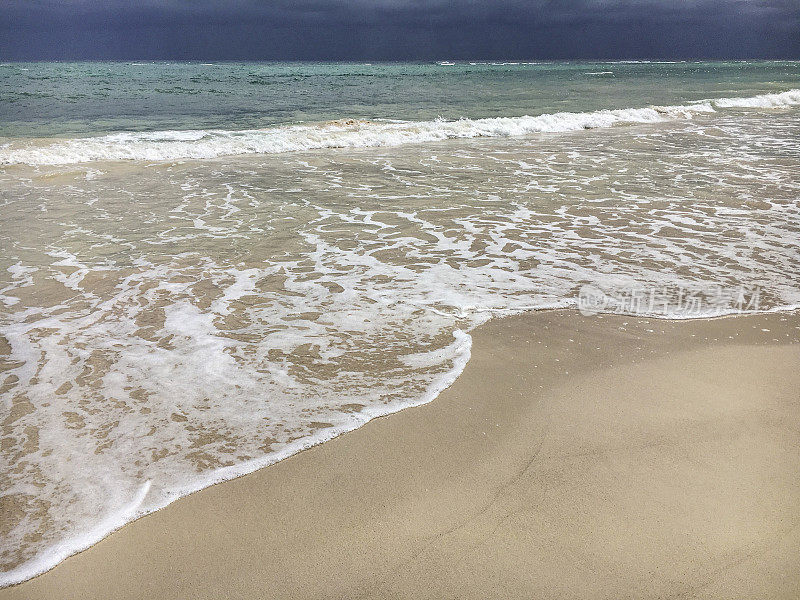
{"points": [[781, 100], [67, 547], [204, 144], [244, 340], [458, 352]]}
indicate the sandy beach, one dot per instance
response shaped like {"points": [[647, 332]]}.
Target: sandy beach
{"points": [[576, 457]]}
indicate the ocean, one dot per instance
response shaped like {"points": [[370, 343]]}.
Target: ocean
{"points": [[206, 268]]}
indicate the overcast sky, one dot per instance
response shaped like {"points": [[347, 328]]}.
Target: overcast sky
{"points": [[397, 29]]}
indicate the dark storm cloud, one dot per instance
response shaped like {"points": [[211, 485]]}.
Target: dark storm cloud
{"points": [[398, 29]]}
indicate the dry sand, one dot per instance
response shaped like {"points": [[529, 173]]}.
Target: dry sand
{"points": [[601, 457]]}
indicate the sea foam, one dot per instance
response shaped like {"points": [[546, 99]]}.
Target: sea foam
{"points": [[180, 326], [351, 133]]}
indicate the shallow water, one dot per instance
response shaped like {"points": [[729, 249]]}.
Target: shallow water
{"points": [[169, 324]]}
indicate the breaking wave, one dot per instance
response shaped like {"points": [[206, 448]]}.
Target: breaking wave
{"points": [[351, 133]]}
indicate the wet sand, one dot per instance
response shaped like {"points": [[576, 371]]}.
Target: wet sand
{"points": [[576, 457]]}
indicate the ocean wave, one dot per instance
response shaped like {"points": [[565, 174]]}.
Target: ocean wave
{"points": [[351, 133]]}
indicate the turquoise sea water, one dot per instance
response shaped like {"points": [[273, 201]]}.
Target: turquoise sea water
{"points": [[78, 99]]}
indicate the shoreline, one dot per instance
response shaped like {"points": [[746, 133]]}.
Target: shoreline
{"points": [[459, 471]]}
